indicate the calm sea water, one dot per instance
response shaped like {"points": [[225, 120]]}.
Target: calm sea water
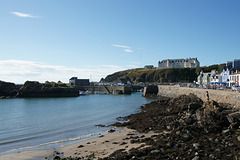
{"points": [[35, 122]]}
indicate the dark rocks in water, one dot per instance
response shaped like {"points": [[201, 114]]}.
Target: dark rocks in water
{"points": [[100, 125], [195, 130], [35, 89], [8, 90], [111, 130]]}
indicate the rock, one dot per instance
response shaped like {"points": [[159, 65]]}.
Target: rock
{"points": [[178, 145], [142, 136], [80, 146], [123, 143], [111, 130], [217, 150], [186, 136], [100, 125], [225, 131], [195, 158], [196, 145], [155, 151], [211, 156], [56, 158], [232, 117], [199, 114], [188, 128], [194, 106], [134, 141], [238, 138]]}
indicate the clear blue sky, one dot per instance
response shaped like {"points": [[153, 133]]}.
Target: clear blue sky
{"points": [[56, 39]]}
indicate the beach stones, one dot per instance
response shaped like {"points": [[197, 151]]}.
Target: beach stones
{"points": [[194, 130]]}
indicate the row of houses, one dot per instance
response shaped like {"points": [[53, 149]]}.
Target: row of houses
{"points": [[226, 78], [230, 75]]}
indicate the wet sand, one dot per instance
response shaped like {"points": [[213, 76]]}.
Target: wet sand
{"points": [[101, 146], [31, 154]]}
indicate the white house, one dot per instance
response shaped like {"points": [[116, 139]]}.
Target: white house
{"points": [[215, 77], [225, 76], [204, 78], [209, 77]]}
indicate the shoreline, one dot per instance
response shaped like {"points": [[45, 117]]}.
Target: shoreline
{"points": [[99, 147], [168, 128]]}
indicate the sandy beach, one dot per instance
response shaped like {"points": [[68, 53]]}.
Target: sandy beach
{"points": [[99, 147], [103, 146], [31, 154]]}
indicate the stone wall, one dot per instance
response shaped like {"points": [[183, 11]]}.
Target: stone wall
{"points": [[150, 90], [230, 97], [107, 89]]}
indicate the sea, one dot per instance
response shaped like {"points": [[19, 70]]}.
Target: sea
{"points": [[49, 123]]}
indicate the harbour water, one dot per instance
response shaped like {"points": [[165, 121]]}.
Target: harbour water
{"points": [[37, 122]]}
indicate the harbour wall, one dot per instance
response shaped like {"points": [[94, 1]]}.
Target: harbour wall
{"points": [[221, 96], [107, 89]]}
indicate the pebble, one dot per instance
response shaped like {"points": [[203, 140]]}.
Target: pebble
{"points": [[238, 138], [225, 131], [195, 158], [155, 151]]}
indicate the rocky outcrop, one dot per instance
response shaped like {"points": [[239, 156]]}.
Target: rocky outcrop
{"points": [[33, 89], [187, 127], [7, 89]]}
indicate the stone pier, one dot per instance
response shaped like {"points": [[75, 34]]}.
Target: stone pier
{"points": [[221, 96]]}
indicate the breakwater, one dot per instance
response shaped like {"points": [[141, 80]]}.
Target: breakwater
{"points": [[221, 96], [107, 89]]}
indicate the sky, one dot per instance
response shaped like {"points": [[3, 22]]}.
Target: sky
{"points": [[54, 40]]}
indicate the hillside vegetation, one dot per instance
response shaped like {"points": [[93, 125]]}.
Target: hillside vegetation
{"points": [[161, 75]]}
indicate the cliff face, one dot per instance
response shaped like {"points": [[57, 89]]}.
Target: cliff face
{"points": [[48, 89], [170, 75]]}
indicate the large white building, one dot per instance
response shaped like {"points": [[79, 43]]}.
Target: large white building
{"points": [[179, 63]]}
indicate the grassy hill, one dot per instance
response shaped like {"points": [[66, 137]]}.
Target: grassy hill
{"points": [[161, 75]]}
